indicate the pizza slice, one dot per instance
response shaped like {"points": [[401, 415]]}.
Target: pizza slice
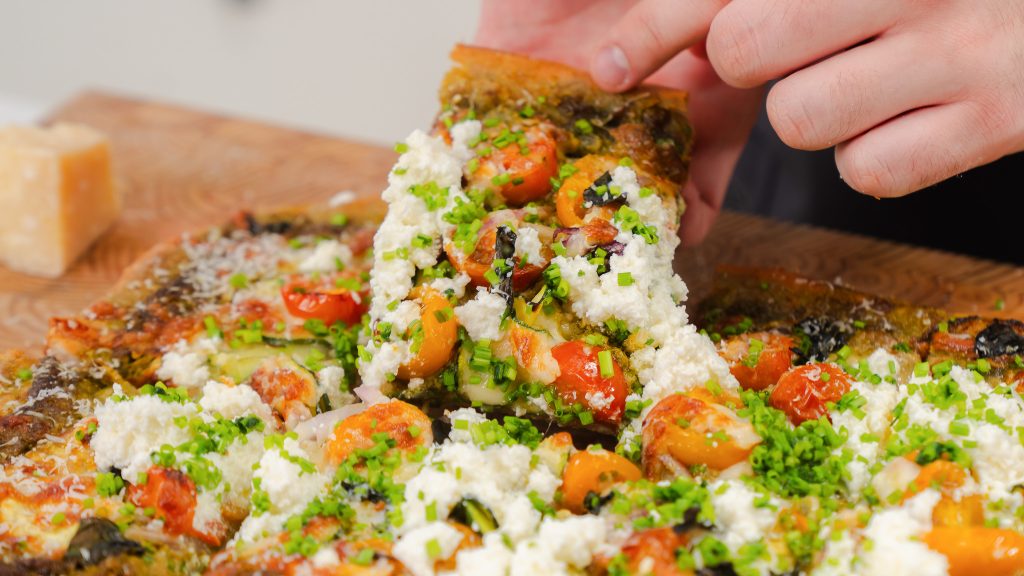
{"points": [[525, 263], [135, 437]]}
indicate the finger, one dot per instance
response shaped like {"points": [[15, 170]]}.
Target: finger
{"points": [[925, 147], [851, 92], [753, 41], [648, 36], [722, 117]]}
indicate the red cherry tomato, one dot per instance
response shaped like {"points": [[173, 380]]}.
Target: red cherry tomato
{"points": [[581, 381], [529, 174], [172, 496], [653, 552], [306, 299], [758, 370], [804, 391]]}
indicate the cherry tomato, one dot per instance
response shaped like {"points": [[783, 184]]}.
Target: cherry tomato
{"points": [[306, 299], [581, 381], [440, 332], [404, 423], [569, 198], [529, 175], [594, 471], [477, 263], [803, 392], [758, 370], [694, 429], [172, 495], [653, 552], [978, 550]]}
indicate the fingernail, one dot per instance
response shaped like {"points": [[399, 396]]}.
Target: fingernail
{"points": [[610, 68]]}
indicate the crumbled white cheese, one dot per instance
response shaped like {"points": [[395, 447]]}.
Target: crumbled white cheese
{"points": [[481, 316], [127, 432], [413, 549], [561, 547], [288, 489], [528, 245], [737, 518], [896, 549], [329, 380], [234, 401], [187, 365], [327, 256]]}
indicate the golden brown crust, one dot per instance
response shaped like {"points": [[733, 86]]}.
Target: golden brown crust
{"points": [[531, 74], [647, 124]]}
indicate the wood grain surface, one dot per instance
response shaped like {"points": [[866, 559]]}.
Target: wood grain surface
{"points": [[182, 170]]}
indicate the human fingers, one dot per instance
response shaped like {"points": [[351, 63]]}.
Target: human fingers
{"points": [[648, 36], [927, 146], [851, 92], [722, 117], [753, 41]]}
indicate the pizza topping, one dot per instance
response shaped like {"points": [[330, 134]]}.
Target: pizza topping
{"points": [[308, 300], [804, 392], [591, 376]]}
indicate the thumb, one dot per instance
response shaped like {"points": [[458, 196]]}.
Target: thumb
{"points": [[648, 36]]}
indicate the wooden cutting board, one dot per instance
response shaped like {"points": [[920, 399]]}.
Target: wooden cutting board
{"points": [[183, 169]]}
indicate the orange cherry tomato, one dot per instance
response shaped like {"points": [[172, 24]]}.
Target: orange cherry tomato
{"points": [[694, 429], [530, 173], [978, 550], [942, 474], [569, 198], [404, 423], [967, 511], [479, 262], [439, 337], [594, 471], [581, 381], [172, 495], [655, 551], [306, 299], [803, 392], [758, 370]]}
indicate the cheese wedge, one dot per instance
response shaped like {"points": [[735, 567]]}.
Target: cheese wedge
{"points": [[57, 196]]}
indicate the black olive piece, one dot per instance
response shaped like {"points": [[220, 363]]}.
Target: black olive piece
{"points": [[324, 404], [472, 513], [819, 337], [441, 429], [594, 197], [999, 338], [505, 251], [98, 539], [593, 502]]}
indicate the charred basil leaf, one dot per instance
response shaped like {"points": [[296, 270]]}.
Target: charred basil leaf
{"points": [[472, 513], [818, 337], [599, 193], [98, 539], [999, 338], [504, 263], [323, 405], [440, 429], [593, 502], [691, 520]]}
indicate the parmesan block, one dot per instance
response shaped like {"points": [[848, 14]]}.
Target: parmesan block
{"points": [[57, 195]]}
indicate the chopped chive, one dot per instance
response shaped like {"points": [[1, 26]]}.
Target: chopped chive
{"points": [[604, 361], [625, 279]]}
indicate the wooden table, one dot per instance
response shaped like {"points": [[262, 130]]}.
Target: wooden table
{"points": [[183, 170]]}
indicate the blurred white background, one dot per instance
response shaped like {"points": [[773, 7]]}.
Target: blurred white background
{"points": [[361, 69]]}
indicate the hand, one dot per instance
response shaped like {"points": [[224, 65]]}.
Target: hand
{"points": [[910, 92], [574, 31]]}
